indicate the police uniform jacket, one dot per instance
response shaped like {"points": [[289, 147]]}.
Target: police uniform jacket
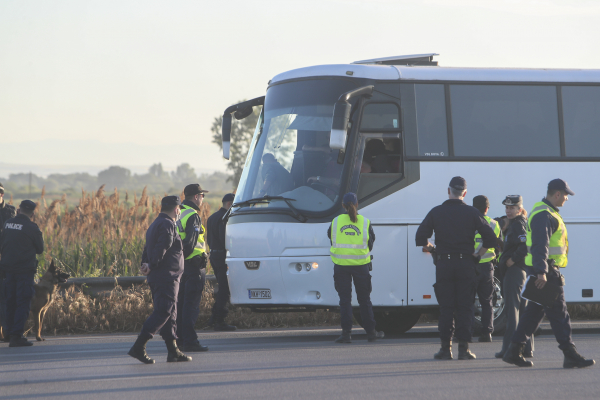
{"points": [[6, 212], [20, 242], [514, 242], [543, 225], [164, 250], [193, 229], [215, 237], [455, 224]]}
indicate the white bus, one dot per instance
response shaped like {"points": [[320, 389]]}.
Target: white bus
{"points": [[395, 131]]}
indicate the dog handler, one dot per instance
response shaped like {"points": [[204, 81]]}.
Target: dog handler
{"points": [[20, 243], [6, 212], [162, 262]]}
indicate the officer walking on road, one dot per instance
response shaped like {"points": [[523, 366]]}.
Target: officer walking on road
{"points": [[192, 234], [6, 212], [547, 251], [455, 224], [484, 281], [20, 242], [216, 242], [162, 262]]}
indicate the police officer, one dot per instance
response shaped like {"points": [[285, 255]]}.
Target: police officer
{"points": [[20, 243], [455, 224], [216, 242], [192, 234], [352, 239], [6, 212], [547, 250], [162, 262], [484, 281]]}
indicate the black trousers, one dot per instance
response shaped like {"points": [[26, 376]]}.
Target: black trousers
{"points": [[164, 317], [18, 291], [342, 277], [219, 311], [3, 305], [188, 299], [455, 292], [484, 287]]}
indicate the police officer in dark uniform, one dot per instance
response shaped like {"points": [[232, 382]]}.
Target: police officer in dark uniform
{"points": [[216, 242], [6, 212], [20, 243], [547, 251], [455, 224], [162, 262]]}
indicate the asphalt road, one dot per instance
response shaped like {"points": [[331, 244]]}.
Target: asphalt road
{"points": [[293, 364]]}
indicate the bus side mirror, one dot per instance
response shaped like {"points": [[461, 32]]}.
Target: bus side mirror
{"points": [[339, 125], [226, 134]]}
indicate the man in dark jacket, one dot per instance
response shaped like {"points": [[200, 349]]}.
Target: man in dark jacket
{"points": [[6, 212], [216, 242], [276, 179], [20, 243], [162, 262]]}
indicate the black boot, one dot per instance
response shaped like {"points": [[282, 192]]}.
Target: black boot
{"points": [[345, 337], [192, 348], [445, 352], [138, 350], [19, 341], [374, 335], [463, 351], [514, 355], [485, 338], [175, 354], [223, 327], [575, 360], [499, 354]]}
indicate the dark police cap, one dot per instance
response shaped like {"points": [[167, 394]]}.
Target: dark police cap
{"points": [[193, 189], [513, 200], [481, 202], [27, 205], [170, 201], [228, 197], [458, 183], [350, 198], [559, 184]]}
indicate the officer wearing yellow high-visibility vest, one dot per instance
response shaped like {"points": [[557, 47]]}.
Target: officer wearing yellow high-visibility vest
{"points": [[192, 234], [352, 239], [484, 281], [547, 251]]}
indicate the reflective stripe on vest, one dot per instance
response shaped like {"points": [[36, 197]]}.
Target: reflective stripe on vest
{"points": [[199, 247], [491, 253], [350, 245], [558, 248]]}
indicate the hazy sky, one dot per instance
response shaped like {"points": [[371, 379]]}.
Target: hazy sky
{"points": [[98, 83]]}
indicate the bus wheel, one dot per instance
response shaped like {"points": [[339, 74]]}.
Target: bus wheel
{"points": [[499, 314], [392, 322]]}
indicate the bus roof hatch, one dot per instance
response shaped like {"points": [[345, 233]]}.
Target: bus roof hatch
{"points": [[413, 59]]}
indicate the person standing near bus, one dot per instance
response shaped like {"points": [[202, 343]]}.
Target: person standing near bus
{"points": [[547, 251], [484, 281], [455, 224], [352, 239], [512, 269]]}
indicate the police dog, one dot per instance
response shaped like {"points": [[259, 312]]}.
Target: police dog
{"points": [[45, 291]]}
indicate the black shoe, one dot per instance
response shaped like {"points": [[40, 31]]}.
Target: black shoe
{"points": [[514, 355], [5, 339], [528, 354], [374, 335], [445, 352], [174, 354], [499, 354], [223, 327], [19, 341], [345, 337], [575, 360], [194, 348], [463, 351], [485, 338], [138, 350]]}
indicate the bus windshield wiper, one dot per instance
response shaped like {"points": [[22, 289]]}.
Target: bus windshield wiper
{"points": [[267, 199]]}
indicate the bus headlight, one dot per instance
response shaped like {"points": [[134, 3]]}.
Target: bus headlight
{"points": [[298, 267], [315, 265], [307, 266]]}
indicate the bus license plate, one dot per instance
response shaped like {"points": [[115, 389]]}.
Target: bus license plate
{"points": [[259, 293]]}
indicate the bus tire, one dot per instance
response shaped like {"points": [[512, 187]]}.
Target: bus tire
{"points": [[392, 322], [498, 309]]}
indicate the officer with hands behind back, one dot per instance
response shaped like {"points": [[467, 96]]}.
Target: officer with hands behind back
{"points": [[20, 243], [6, 212], [455, 224], [162, 262], [547, 251]]}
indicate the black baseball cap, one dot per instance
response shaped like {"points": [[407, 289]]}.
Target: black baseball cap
{"points": [[559, 184], [193, 189], [481, 202], [170, 201], [458, 183], [513, 200], [228, 197], [27, 205]]}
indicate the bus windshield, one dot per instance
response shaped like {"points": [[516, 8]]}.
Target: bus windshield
{"points": [[289, 155]]}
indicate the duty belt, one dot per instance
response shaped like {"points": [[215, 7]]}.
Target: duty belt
{"points": [[454, 256]]}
